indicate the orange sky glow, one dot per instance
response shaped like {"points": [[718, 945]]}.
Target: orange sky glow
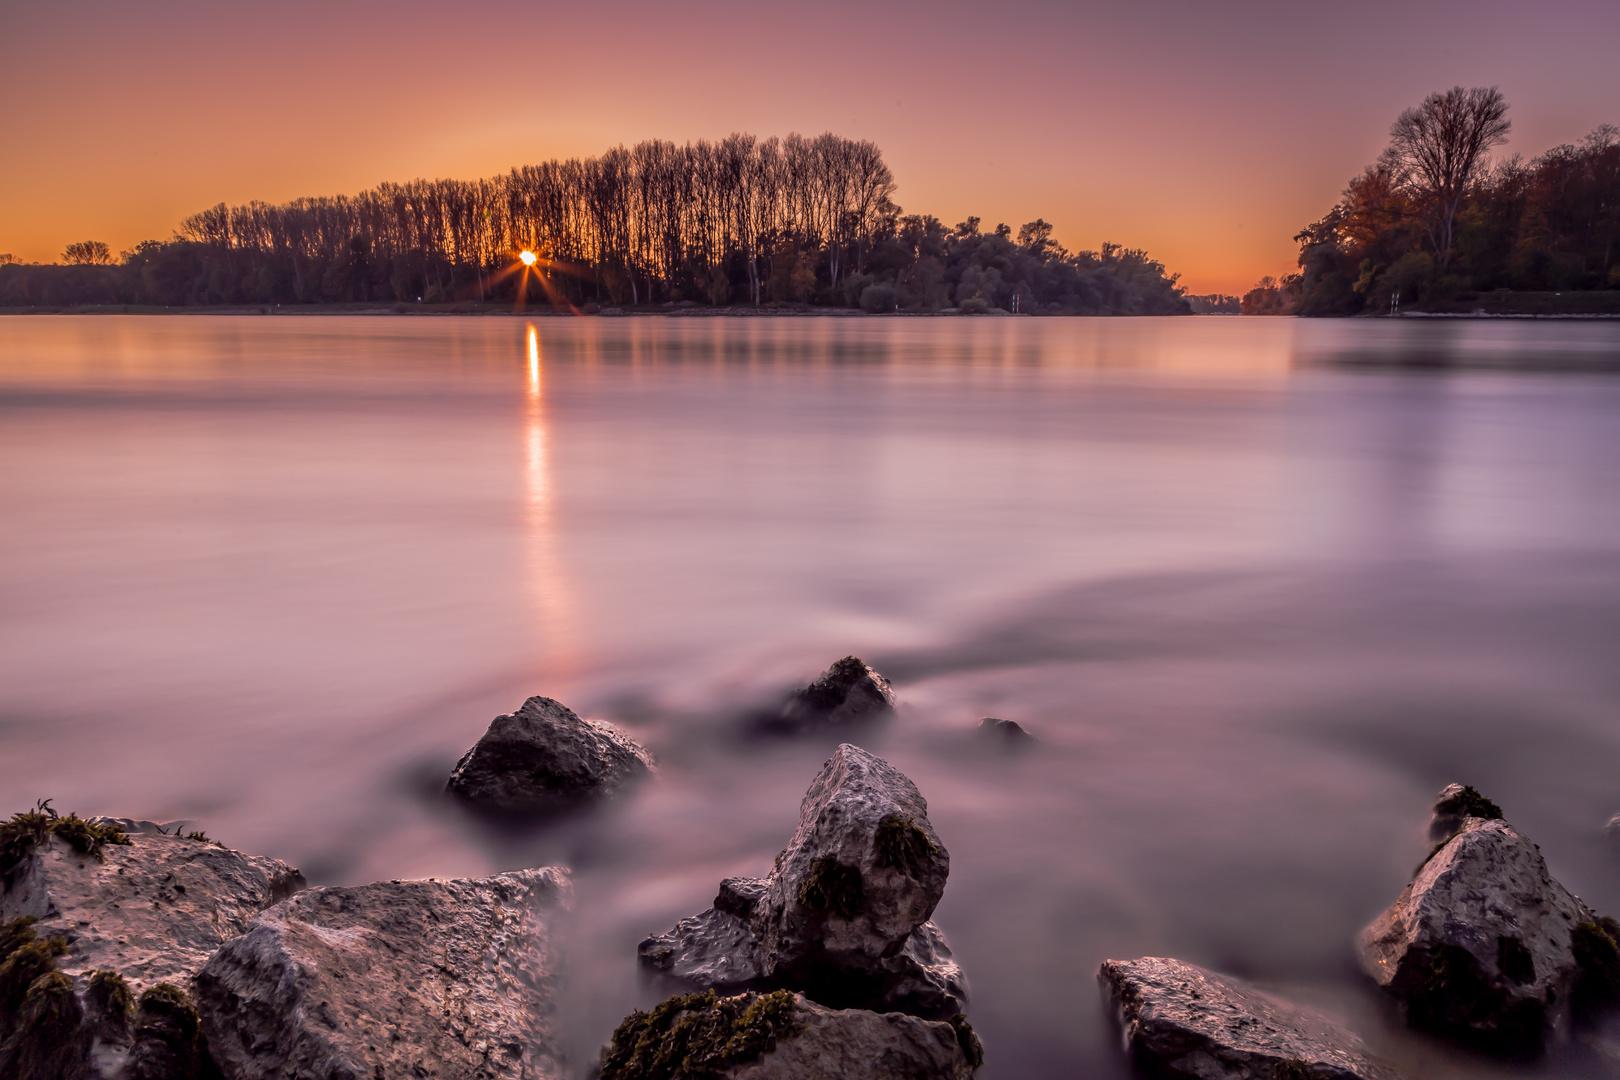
{"points": [[1207, 134]]}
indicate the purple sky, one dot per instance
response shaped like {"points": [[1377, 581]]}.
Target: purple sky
{"points": [[1208, 134]]}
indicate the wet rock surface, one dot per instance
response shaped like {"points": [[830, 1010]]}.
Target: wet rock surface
{"points": [[101, 944], [438, 978], [1007, 732], [1484, 945], [1182, 1020], [849, 692], [784, 1036], [844, 914], [153, 910], [544, 758]]}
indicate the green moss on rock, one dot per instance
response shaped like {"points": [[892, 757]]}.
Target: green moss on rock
{"points": [[15, 934], [1470, 803], [168, 1038], [902, 844], [1292, 1069], [47, 1040], [20, 969], [833, 887], [110, 1005], [1596, 945], [829, 691], [30, 829], [968, 1040], [699, 1036]]}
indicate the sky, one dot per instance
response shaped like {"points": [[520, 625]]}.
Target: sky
{"points": [[1207, 134]]}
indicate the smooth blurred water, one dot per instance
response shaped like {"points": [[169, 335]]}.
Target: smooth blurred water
{"points": [[1258, 600]]}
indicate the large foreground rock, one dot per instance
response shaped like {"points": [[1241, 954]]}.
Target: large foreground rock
{"points": [[435, 979], [844, 914], [544, 758], [1484, 945], [782, 1036], [106, 941], [849, 692], [152, 910], [1180, 1019]]}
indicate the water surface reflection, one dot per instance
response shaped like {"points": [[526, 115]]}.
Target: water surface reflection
{"points": [[275, 574]]}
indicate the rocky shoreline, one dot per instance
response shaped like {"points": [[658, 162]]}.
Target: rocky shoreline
{"points": [[131, 950]]}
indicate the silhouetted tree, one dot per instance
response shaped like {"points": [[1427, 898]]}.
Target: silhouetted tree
{"points": [[1437, 149], [88, 253]]}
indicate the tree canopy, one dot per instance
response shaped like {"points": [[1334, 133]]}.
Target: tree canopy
{"points": [[1433, 218]]}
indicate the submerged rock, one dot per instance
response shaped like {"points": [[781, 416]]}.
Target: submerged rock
{"points": [[1483, 945], [452, 976], [1177, 1018], [782, 1036], [1005, 731], [844, 914], [544, 758], [848, 692]]}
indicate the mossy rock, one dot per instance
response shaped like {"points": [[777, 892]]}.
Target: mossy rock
{"points": [[48, 1040], [829, 691], [901, 843], [698, 1036], [27, 830], [27, 958], [168, 1038], [833, 887], [1596, 945], [968, 1040], [110, 1004], [1470, 803]]}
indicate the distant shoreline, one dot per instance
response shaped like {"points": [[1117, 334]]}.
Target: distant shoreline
{"points": [[665, 311]]}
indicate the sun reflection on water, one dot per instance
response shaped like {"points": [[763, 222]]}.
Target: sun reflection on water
{"points": [[549, 586]]}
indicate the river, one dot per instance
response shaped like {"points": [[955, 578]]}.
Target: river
{"points": [[1260, 587]]}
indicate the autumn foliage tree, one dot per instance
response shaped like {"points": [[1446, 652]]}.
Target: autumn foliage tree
{"points": [[1434, 218]]}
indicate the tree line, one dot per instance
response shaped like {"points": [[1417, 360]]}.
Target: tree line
{"points": [[741, 221], [1434, 218]]}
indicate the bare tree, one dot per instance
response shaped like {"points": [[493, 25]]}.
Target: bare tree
{"points": [[88, 253], [1439, 148]]}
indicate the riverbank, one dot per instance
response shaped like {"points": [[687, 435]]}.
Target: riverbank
{"points": [[1504, 303], [1497, 305]]}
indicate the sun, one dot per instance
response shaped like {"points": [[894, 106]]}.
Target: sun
{"points": [[528, 258]]}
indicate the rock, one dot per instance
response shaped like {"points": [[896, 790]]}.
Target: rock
{"points": [[848, 692], [1006, 731], [168, 1038], [153, 910], [782, 1036], [141, 825], [1455, 804], [1483, 945], [146, 911], [1611, 832], [446, 978], [1179, 1019], [544, 758], [844, 914]]}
